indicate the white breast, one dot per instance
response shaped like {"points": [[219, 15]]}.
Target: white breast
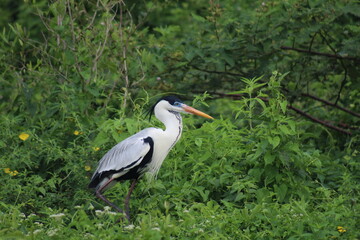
{"points": [[164, 141]]}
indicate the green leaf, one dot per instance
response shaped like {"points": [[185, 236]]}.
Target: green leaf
{"points": [[292, 125], [352, 9], [283, 106], [261, 102], [198, 18], [204, 193], [262, 194], [101, 139], [269, 158], [284, 129], [198, 142], [41, 190], [274, 141], [281, 191], [293, 146]]}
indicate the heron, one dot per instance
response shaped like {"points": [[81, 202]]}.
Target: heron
{"points": [[142, 152]]}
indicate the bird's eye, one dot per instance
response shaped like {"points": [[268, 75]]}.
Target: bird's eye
{"points": [[177, 104]]}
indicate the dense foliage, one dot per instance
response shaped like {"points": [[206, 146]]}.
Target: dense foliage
{"points": [[280, 161]]}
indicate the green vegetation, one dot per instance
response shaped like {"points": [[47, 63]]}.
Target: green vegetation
{"points": [[280, 161]]}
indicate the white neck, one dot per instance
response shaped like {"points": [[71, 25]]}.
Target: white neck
{"points": [[164, 140], [172, 120]]}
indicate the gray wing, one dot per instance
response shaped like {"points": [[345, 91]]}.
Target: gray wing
{"points": [[125, 155]]}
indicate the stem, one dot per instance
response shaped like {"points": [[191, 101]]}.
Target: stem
{"points": [[320, 53], [250, 112], [124, 67]]}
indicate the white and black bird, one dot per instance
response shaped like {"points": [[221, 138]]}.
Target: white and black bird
{"points": [[143, 152]]}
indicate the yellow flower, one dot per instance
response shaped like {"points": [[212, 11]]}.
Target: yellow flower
{"points": [[76, 132], [96, 149], [87, 168], [12, 173], [341, 229], [24, 136]]}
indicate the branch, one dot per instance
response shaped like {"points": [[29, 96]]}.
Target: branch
{"points": [[343, 81], [101, 48], [124, 51], [312, 118], [77, 67], [319, 53], [217, 72], [90, 25], [331, 104], [341, 62], [318, 120]]}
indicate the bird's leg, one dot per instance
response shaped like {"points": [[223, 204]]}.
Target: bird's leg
{"points": [[102, 197], [127, 199]]}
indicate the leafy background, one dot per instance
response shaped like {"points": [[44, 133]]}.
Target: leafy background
{"points": [[280, 161]]}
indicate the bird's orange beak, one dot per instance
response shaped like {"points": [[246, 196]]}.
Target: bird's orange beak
{"points": [[195, 111]]}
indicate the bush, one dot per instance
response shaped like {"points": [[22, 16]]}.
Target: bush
{"points": [[78, 76]]}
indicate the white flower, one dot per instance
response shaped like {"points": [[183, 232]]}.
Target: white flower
{"points": [[112, 213], [200, 230], [31, 215], [107, 208], [156, 228], [88, 235], [57, 216], [99, 212], [52, 232], [130, 227], [99, 225], [37, 231]]}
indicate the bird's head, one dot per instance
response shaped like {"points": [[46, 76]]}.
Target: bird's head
{"points": [[172, 103]]}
